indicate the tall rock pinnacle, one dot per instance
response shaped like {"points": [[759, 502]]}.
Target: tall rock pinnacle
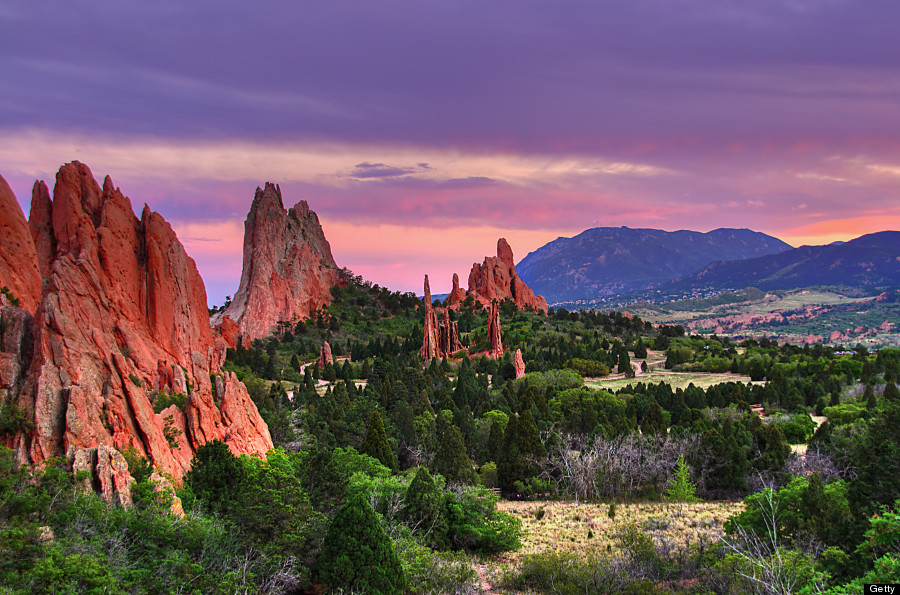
{"points": [[288, 269], [439, 339]]}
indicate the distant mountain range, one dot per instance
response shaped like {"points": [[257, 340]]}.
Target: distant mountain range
{"points": [[608, 261], [871, 260]]}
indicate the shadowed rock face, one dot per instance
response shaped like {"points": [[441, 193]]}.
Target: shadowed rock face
{"points": [[496, 278], [122, 318], [288, 269]]}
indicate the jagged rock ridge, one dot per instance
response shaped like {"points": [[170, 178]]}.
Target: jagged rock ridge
{"points": [[122, 320], [288, 270]]}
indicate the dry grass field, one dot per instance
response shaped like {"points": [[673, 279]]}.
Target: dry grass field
{"points": [[674, 379], [564, 526], [585, 529]]}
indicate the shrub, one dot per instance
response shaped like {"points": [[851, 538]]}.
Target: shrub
{"points": [[161, 400]]}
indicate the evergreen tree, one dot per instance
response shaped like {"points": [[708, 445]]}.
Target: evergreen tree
{"points": [[357, 554], [681, 488], [891, 393], [451, 459], [376, 443], [424, 509], [216, 476], [654, 422]]}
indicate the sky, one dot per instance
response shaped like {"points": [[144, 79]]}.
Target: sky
{"points": [[422, 131]]}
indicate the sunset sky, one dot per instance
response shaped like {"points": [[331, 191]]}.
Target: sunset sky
{"points": [[422, 131]]}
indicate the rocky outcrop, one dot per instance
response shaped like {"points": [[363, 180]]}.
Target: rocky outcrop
{"points": [[494, 332], [439, 339], [496, 278], [288, 269], [429, 349], [448, 336], [325, 356], [519, 364], [19, 272], [457, 295], [122, 322]]}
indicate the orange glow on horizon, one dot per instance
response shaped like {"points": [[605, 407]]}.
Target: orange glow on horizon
{"points": [[834, 230]]}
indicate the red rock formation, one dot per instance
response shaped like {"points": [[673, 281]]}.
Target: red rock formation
{"points": [[325, 356], [448, 336], [457, 295], [519, 364], [496, 278], [430, 340], [288, 269], [122, 316], [494, 332], [19, 272], [439, 339], [229, 331]]}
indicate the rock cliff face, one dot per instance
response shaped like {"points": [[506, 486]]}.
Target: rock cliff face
{"points": [[288, 269], [122, 320], [496, 278]]}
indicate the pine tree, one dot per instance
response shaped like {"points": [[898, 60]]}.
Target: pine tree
{"points": [[451, 459], [376, 443], [216, 476], [654, 423], [424, 509], [357, 554], [681, 488]]}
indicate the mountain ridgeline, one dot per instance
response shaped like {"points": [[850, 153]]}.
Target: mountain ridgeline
{"points": [[606, 261], [869, 261]]}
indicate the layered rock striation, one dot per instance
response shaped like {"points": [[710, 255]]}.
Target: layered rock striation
{"points": [[121, 326], [288, 270]]}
